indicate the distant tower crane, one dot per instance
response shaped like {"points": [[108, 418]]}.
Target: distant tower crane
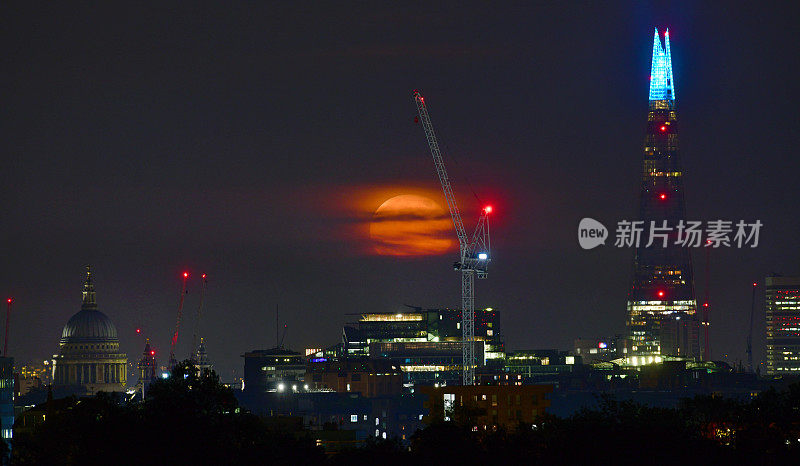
{"points": [[10, 301], [474, 252], [750, 330], [172, 361]]}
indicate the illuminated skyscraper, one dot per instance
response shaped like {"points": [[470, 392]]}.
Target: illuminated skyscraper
{"points": [[783, 325], [662, 310]]}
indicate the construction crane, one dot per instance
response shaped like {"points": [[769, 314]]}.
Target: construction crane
{"points": [[172, 361], [474, 252], [706, 322], [750, 330], [10, 301]]}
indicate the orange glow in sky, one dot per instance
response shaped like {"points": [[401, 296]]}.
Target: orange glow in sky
{"points": [[411, 225]]}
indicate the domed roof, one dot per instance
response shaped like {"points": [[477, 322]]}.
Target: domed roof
{"points": [[90, 326]]}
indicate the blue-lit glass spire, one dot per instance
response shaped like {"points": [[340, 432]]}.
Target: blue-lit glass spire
{"points": [[662, 86]]}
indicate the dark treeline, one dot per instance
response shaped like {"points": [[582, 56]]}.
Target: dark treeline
{"points": [[191, 418]]}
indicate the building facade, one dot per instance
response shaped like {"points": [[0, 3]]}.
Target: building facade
{"points": [[487, 407], [89, 360], [593, 350], [271, 370], [782, 306], [661, 310], [424, 343], [370, 378], [6, 397]]}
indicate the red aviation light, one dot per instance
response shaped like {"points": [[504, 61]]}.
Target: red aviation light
{"points": [[705, 304], [203, 276], [755, 284], [663, 196], [488, 209], [185, 274], [660, 293], [152, 353], [9, 300], [663, 129], [138, 330]]}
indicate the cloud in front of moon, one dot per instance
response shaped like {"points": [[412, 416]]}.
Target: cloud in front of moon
{"points": [[411, 225]]}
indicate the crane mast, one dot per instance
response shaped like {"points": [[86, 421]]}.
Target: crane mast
{"points": [[174, 342], [473, 252], [750, 330]]}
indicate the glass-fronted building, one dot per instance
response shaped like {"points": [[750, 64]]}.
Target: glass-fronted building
{"points": [[782, 308], [424, 343], [661, 309], [6, 397]]}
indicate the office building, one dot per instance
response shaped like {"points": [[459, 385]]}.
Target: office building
{"points": [[782, 306]]}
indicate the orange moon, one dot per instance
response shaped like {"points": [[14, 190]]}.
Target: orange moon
{"points": [[411, 225]]}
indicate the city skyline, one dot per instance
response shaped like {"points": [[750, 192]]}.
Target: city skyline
{"points": [[257, 153]]}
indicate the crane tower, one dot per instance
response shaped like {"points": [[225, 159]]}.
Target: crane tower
{"points": [[474, 252]]}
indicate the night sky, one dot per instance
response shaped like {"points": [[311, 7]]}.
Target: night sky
{"points": [[253, 142]]}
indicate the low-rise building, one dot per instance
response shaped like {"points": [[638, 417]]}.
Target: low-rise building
{"points": [[275, 369], [370, 378], [538, 366], [592, 350], [487, 407]]}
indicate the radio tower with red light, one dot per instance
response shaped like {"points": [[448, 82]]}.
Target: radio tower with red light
{"points": [[750, 330]]}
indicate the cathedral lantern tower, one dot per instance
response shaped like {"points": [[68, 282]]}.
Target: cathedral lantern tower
{"points": [[89, 359]]}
